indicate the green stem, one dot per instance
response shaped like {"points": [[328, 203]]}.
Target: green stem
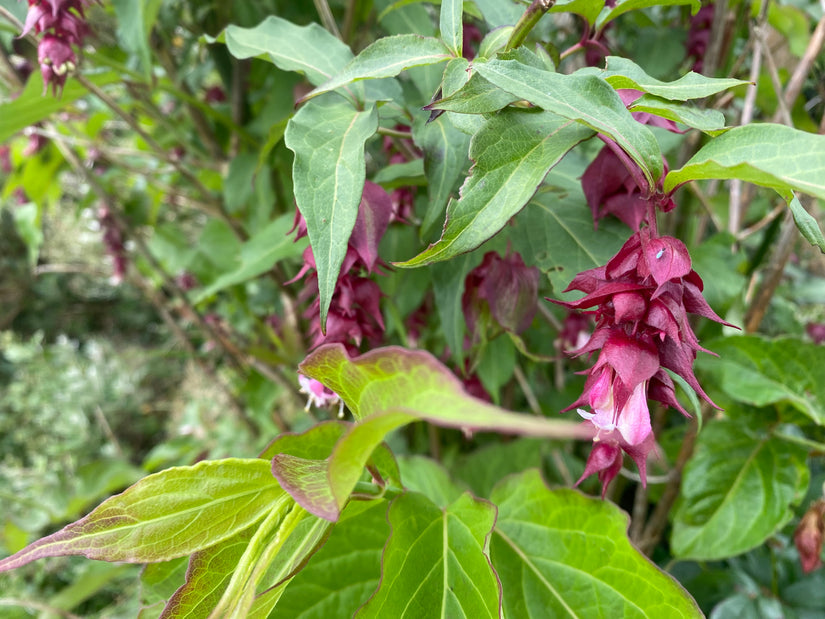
{"points": [[527, 22], [804, 442]]}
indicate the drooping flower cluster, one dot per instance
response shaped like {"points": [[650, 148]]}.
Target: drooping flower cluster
{"points": [[642, 298], [64, 25], [114, 243]]}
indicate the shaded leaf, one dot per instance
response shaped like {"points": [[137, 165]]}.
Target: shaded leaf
{"points": [[512, 153], [484, 468], [310, 50], [559, 553], [477, 96], [166, 515], [589, 9], [624, 6], [257, 256], [435, 563], [430, 478], [622, 72], [736, 491], [709, 121], [135, 21], [327, 136], [387, 57], [584, 98], [448, 287], [344, 572], [451, 25], [761, 372], [750, 153]]}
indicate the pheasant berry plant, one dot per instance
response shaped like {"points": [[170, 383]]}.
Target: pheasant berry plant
{"points": [[348, 215]]}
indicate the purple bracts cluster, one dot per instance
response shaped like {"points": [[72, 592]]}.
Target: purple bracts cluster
{"points": [[642, 298], [64, 25]]}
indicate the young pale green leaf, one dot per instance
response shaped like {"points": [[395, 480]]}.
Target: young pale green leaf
{"points": [[344, 572], [807, 224], [446, 157], [708, 121], [258, 255], [556, 228], [737, 490], [763, 372], [387, 57], [310, 50], [385, 389], [622, 72], [327, 136], [512, 153], [559, 553], [451, 25], [750, 153], [435, 563], [624, 6], [30, 107], [587, 99], [170, 514]]}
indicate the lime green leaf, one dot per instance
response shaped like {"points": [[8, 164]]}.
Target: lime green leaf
{"points": [[258, 255], [159, 581], [310, 50], [708, 121], [589, 9], [344, 572], [32, 105], [387, 57], [622, 72], [166, 515], [385, 389], [451, 26], [327, 136], [435, 563], [584, 98], [737, 490], [750, 153], [559, 553], [513, 153], [807, 224], [763, 372], [445, 158], [623, 6]]}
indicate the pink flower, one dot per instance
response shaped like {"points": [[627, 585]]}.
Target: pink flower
{"points": [[808, 537], [319, 395]]}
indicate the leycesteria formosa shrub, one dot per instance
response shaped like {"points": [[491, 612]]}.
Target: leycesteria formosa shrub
{"points": [[575, 189]]}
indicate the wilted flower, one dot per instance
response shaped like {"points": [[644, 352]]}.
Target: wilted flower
{"points": [[504, 288], [642, 297], [809, 535]]}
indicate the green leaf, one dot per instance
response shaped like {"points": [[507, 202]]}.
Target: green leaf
{"points": [[385, 389], [500, 12], [559, 553], [448, 287], [750, 153], [435, 563], [430, 478], [736, 491], [477, 96], [485, 467], [807, 224], [588, 9], [584, 98], [445, 158], [556, 228], [708, 121], [166, 515], [159, 581], [763, 372], [344, 572], [309, 50], [622, 72], [513, 153], [624, 6], [327, 136], [387, 57], [258, 255], [32, 105], [135, 21], [451, 25]]}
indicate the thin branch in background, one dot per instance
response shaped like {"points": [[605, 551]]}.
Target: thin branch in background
{"points": [[349, 20], [41, 606], [765, 221], [527, 390], [327, 18], [694, 188]]}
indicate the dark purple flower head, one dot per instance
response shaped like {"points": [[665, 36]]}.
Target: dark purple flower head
{"points": [[57, 60], [699, 35], [816, 331], [504, 287], [641, 300]]}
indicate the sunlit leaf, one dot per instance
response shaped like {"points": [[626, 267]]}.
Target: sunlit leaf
{"points": [[435, 563], [559, 553]]}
